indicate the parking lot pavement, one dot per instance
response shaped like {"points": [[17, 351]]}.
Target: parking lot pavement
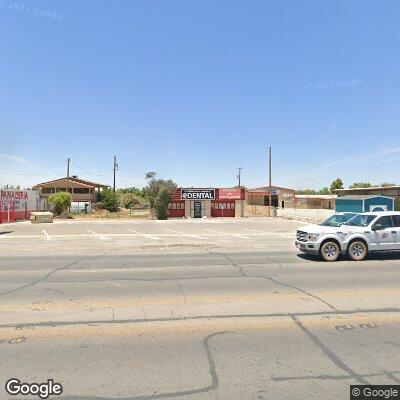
{"points": [[142, 235]]}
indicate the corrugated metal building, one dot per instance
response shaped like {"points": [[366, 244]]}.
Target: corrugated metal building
{"points": [[364, 203], [389, 191]]}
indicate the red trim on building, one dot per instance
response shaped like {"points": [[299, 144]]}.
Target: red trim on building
{"points": [[223, 208], [176, 209]]}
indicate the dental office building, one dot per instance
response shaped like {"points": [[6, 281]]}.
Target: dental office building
{"points": [[207, 202]]}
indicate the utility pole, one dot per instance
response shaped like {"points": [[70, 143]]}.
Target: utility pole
{"points": [[239, 174], [115, 168], [270, 181], [68, 162]]}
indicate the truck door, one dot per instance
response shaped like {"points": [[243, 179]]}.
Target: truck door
{"points": [[386, 238], [396, 222]]}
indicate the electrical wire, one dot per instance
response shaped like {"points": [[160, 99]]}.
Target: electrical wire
{"points": [[86, 171], [41, 172]]}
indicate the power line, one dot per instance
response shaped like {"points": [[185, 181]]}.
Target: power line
{"points": [[84, 170], [41, 172]]}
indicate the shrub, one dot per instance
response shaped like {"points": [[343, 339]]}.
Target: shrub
{"points": [[61, 202], [108, 200], [129, 200]]}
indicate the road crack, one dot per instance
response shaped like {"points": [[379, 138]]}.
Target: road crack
{"points": [[329, 353], [48, 275], [213, 386]]}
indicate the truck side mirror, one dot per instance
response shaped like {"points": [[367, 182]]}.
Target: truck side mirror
{"points": [[377, 227]]}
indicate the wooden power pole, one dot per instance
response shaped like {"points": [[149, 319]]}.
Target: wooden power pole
{"points": [[115, 168], [68, 162], [270, 181], [239, 174]]}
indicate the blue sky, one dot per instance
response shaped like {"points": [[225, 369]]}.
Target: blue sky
{"points": [[195, 89]]}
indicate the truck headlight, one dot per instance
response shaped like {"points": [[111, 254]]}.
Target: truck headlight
{"points": [[313, 237]]}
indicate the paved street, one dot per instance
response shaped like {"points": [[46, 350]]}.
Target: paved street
{"points": [[233, 312]]}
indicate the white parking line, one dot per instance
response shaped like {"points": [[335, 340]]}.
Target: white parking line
{"points": [[145, 235], [229, 234], [185, 234], [279, 234], [101, 237], [46, 234]]}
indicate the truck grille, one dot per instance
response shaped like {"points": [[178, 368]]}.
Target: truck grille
{"points": [[302, 236]]}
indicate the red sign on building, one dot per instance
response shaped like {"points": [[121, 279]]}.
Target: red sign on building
{"points": [[230, 194]]}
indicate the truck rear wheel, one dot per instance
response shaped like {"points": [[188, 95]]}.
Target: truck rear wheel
{"points": [[357, 250], [330, 251]]}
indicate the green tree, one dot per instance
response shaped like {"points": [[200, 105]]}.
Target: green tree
{"points": [[386, 184], [360, 185], [138, 193], [12, 187], [306, 191], [129, 200], [159, 192], [108, 200], [324, 191], [161, 203], [150, 175], [336, 184], [61, 202]]}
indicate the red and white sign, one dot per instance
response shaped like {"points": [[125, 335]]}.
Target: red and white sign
{"points": [[230, 194], [18, 204]]}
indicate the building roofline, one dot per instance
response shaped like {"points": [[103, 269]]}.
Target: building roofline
{"points": [[363, 196], [77, 180], [266, 188], [369, 188], [317, 196]]}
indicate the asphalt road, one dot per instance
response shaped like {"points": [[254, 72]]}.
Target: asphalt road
{"points": [[201, 325]]}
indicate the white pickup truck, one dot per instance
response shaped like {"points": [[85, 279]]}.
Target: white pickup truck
{"points": [[311, 238], [372, 231]]}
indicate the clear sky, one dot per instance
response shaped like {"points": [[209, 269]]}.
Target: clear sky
{"points": [[195, 89]]}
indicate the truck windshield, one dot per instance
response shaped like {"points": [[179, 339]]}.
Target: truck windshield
{"points": [[337, 219], [360, 220]]}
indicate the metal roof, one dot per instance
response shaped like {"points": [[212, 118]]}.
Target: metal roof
{"points": [[368, 188], [362, 197]]}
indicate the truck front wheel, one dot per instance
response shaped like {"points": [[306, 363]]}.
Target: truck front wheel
{"points": [[330, 251], [357, 250]]}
